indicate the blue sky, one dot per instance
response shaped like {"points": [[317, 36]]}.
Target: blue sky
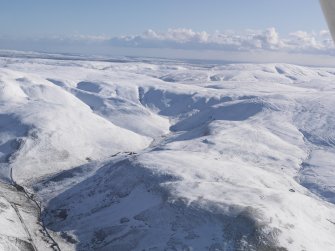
{"points": [[232, 30], [124, 17]]}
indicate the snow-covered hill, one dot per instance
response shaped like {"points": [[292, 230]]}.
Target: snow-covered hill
{"points": [[165, 155]]}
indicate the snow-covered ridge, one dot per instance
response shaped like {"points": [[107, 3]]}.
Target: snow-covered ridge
{"points": [[159, 155]]}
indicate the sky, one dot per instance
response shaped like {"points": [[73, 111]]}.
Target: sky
{"points": [[124, 17], [132, 26]]}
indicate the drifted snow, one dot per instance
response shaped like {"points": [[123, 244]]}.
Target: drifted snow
{"points": [[232, 157]]}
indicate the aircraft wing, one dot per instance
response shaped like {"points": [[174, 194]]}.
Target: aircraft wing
{"points": [[328, 7]]}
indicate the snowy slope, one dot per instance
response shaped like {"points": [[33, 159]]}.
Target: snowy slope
{"points": [[57, 130], [168, 155]]}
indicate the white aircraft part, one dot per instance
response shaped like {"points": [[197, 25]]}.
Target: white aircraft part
{"points": [[328, 7]]}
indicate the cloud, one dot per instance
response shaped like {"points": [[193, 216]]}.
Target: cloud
{"points": [[301, 47], [251, 40], [187, 39]]}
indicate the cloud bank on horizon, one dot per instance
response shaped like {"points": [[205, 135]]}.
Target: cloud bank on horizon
{"points": [[180, 42], [268, 39]]}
